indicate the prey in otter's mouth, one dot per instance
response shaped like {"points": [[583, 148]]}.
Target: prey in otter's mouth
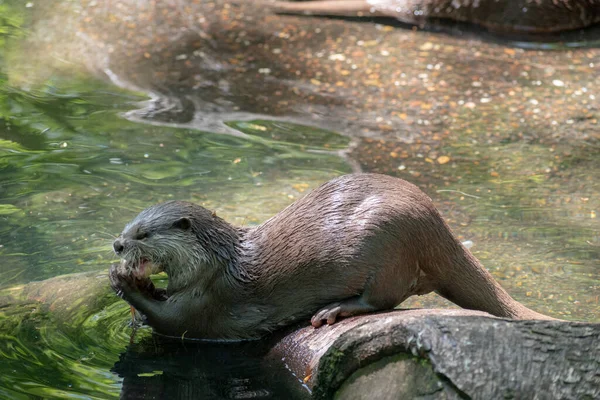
{"points": [[359, 243], [148, 244], [134, 260], [139, 268]]}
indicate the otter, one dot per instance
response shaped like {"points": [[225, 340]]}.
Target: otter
{"points": [[357, 244], [521, 16]]}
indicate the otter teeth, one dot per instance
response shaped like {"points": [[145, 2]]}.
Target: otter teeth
{"points": [[134, 267]]}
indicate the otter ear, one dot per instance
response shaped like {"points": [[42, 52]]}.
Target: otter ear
{"points": [[183, 223]]}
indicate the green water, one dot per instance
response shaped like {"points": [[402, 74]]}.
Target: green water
{"points": [[80, 156], [74, 172]]}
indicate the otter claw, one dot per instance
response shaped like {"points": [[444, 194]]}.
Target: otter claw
{"points": [[118, 282], [328, 314]]}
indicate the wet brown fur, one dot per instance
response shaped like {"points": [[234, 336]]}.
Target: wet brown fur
{"points": [[358, 243]]}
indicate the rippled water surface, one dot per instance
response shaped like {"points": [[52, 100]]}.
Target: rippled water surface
{"points": [[129, 105], [74, 171]]}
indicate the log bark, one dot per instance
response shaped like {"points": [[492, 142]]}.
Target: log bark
{"points": [[446, 354]]}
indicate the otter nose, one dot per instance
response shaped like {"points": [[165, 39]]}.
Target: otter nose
{"points": [[118, 246]]}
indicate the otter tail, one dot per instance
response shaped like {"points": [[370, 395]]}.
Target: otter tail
{"points": [[461, 278]]}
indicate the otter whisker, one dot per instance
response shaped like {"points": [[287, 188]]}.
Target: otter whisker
{"points": [[107, 233]]}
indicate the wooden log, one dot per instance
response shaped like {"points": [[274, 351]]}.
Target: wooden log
{"points": [[446, 354]]}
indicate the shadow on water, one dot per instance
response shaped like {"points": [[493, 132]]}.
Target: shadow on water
{"points": [[158, 367], [70, 336]]}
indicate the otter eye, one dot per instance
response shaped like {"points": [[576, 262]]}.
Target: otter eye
{"points": [[141, 235], [182, 223]]}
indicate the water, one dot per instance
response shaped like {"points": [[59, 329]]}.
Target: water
{"points": [[142, 102], [73, 183], [68, 189]]}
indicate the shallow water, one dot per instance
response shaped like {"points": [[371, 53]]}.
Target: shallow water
{"points": [[140, 103]]}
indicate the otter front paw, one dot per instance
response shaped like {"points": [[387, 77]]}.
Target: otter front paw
{"points": [[122, 284], [125, 285]]}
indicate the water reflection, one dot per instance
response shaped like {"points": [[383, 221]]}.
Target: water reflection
{"points": [[170, 369]]}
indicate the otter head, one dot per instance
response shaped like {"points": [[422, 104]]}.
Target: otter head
{"points": [[176, 237]]}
